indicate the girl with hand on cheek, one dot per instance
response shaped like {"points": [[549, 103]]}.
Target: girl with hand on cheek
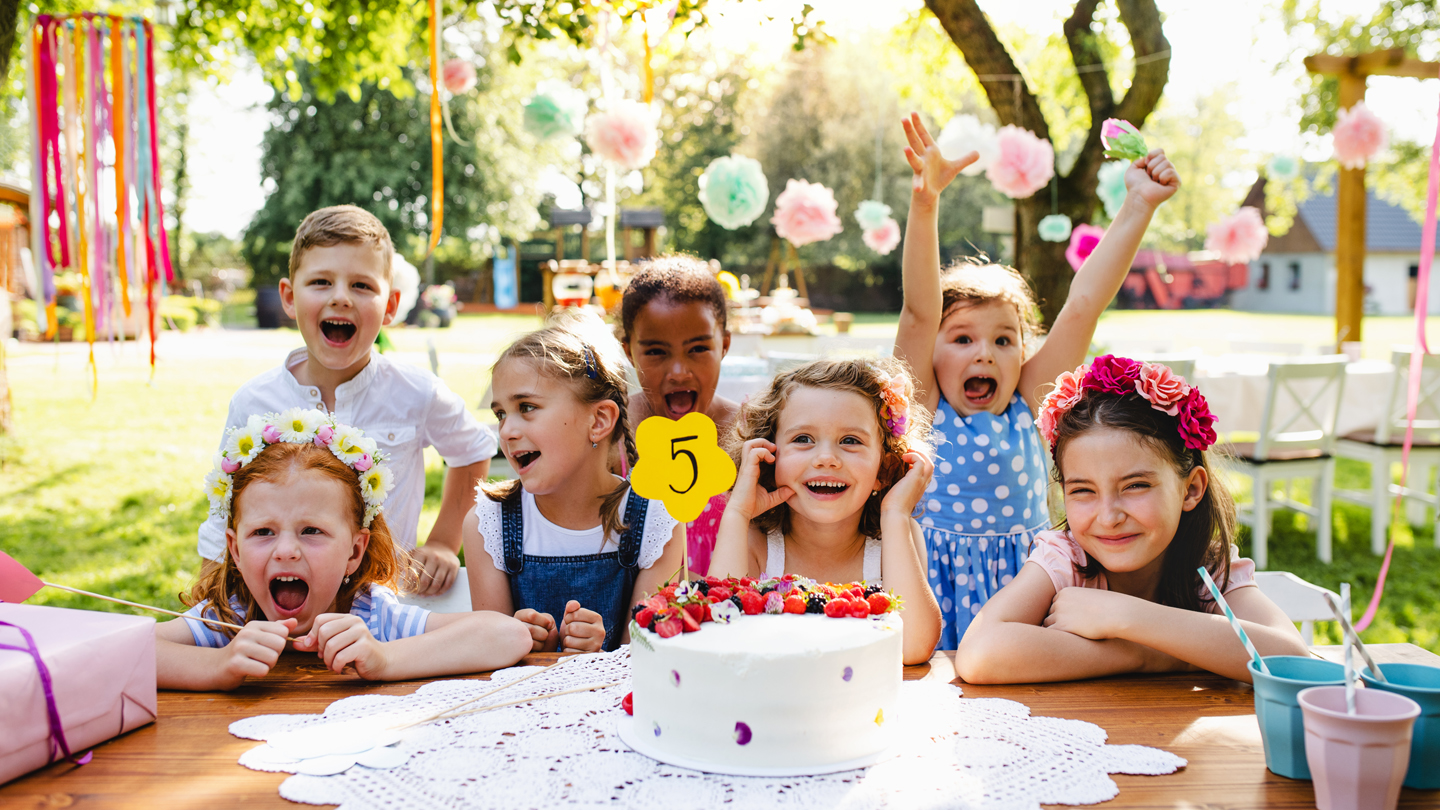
{"points": [[309, 556], [1117, 589], [832, 461]]}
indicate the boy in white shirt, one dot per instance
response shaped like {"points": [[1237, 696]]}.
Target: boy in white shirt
{"points": [[339, 294]]}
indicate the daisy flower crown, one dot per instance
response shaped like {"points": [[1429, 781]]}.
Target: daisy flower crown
{"points": [[300, 426], [1156, 384]]}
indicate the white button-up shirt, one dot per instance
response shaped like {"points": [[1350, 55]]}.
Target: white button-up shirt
{"points": [[403, 408]]}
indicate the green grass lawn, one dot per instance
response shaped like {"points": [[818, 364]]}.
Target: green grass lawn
{"points": [[103, 493]]}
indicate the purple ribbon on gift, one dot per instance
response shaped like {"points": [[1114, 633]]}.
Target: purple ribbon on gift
{"points": [[58, 746]]}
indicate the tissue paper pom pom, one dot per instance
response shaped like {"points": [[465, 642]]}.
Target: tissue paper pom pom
{"points": [[1283, 168], [1023, 165], [884, 238], [1240, 237], [458, 76], [965, 133], [1359, 136], [805, 213], [1082, 243], [555, 110], [1054, 228], [1110, 187], [871, 214], [624, 135], [733, 191]]}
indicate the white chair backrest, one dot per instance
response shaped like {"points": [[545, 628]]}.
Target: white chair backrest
{"points": [[1182, 363], [856, 346], [1301, 405], [1427, 409], [1301, 601], [777, 362], [746, 345]]}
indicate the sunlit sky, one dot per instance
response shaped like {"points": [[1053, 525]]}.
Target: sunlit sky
{"points": [[1213, 43]]}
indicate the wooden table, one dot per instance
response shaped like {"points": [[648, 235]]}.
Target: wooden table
{"points": [[188, 759]]}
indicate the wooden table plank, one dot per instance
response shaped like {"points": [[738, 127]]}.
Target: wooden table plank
{"points": [[187, 758]]}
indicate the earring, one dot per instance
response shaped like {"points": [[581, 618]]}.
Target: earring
{"points": [[594, 445], [347, 579]]}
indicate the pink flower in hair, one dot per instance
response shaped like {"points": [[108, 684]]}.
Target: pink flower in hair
{"points": [[1067, 391], [1196, 421], [1162, 387], [895, 410], [363, 463], [1114, 375], [324, 435], [229, 466], [270, 434]]}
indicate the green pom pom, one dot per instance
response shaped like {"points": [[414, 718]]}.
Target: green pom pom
{"points": [[733, 191]]}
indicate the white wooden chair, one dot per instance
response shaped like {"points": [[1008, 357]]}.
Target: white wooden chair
{"points": [[1302, 601], [1297, 437], [1381, 448], [455, 600]]}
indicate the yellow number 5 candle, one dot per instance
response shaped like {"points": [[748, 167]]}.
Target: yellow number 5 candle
{"points": [[681, 464]]}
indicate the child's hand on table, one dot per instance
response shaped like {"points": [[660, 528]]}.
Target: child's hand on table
{"points": [[749, 498], [342, 640], [544, 636], [435, 569], [933, 172], [907, 492], [254, 650], [1152, 179], [1090, 613], [581, 630]]}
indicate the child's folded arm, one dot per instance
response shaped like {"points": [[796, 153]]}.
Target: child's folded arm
{"points": [[180, 664], [455, 644]]}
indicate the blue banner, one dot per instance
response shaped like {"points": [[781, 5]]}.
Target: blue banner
{"points": [[507, 288]]}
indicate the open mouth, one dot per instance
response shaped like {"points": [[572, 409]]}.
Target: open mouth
{"points": [[524, 460], [289, 593], [337, 331], [679, 403], [826, 490], [980, 391]]}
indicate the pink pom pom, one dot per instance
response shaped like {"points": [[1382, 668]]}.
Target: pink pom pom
{"points": [[229, 465], [1023, 165], [458, 76], [270, 434], [624, 135], [1083, 239], [324, 435], [1240, 237], [883, 239], [805, 213], [363, 463], [1359, 136]]}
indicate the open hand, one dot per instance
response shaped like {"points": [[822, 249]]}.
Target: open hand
{"points": [[254, 650], [434, 568], [907, 492], [342, 640], [544, 636], [749, 498], [933, 172], [581, 630], [1152, 178], [1089, 612]]}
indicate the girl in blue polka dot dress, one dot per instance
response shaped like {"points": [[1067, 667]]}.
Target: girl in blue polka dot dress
{"points": [[966, 334]]}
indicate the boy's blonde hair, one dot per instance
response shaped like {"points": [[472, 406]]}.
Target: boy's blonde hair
{"points": [[973, 281], [577, 348], [341, 225], [759, 418]]}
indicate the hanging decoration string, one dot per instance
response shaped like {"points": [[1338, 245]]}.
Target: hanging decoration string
{"points": [[437, 138]]}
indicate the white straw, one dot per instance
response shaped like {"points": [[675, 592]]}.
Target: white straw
{"points": [[1349, 653], [1351, 637]]}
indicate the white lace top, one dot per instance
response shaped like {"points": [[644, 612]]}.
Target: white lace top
{"points": [[544, 539], [775, 558]]}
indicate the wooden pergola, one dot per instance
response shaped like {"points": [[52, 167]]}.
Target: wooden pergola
{"points": [[1352, 72]]}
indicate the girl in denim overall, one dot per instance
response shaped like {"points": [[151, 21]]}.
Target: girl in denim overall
{"points": [[566, 548]]}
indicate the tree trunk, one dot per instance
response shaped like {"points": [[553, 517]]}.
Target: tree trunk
{"points": [[1044, 262], [9, 21]]}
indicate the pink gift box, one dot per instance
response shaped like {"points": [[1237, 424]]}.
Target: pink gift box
{"points": [[102, 677]]}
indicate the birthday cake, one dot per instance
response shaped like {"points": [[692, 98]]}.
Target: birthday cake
{"points": [[782, 676]]}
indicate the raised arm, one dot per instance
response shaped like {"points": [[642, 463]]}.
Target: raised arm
{"points": [[920, 264], [1149, 181]]}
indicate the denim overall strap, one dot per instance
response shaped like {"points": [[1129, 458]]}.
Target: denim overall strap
{"points": [[512, 530], [630, 542]]}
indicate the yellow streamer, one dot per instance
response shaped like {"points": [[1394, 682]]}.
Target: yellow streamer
{"points": [[437, 138], [86, 144]]}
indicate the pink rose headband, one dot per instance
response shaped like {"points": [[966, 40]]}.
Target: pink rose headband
{"points": [[1153, 382]]}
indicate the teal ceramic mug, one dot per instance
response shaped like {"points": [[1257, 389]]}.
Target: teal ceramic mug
{"points": [[1421, 684], [1277, 709]]}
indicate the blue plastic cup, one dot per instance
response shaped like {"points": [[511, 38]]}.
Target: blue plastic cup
{"points": [[1421, 684], [1277, 708]]}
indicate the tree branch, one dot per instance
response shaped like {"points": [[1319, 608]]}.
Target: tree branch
{"points": [[1095, 79], [986, 55], [1142, 20]]}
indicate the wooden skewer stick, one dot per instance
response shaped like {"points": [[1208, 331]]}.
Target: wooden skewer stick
{"points": [[148, 607], [592, 687], [447, 710]]}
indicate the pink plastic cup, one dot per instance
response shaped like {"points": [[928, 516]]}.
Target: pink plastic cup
{"points": [[1357, 761]]}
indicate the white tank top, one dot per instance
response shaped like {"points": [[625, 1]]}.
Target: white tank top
{"points": [[775, 558]]}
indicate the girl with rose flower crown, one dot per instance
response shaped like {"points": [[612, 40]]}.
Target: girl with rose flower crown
{"points": [[1117, 588]]}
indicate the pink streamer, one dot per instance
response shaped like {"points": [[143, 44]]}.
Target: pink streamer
{"points": [[155, 155], [1417, 356], [49, 103]]}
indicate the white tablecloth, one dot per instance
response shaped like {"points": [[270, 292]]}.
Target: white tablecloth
{"points": [[1236, 387]]}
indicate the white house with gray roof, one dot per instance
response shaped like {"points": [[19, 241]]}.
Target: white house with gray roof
{"points": [[1296, 273]]}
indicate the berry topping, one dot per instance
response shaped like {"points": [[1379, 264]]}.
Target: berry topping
{"points": [[752, 603], [859, 608], [794, 604], [837, 608], [671, 626], [645, 616], [628, 703], [688, 621], [695, 611]]}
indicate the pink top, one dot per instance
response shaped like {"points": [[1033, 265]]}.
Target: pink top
{"points": [[701, 533], [1061, 557]]}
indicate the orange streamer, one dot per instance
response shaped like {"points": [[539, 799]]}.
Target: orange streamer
{"points": [[119, 121], [437, 140]]}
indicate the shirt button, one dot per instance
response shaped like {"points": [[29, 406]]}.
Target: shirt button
{"points": [[314, 393], [392, 437]]}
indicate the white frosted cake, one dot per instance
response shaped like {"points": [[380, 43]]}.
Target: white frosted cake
{"points": [[785, 693]]}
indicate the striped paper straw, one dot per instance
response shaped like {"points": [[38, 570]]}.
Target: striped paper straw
{"points": [[1234, 622]]}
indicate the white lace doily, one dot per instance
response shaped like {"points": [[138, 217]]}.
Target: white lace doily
{"points": [[564, 752]]}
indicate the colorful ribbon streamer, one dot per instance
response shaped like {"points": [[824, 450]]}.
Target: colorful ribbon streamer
{"points": [[97, 172], [1417, 356], [437, 138]]}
